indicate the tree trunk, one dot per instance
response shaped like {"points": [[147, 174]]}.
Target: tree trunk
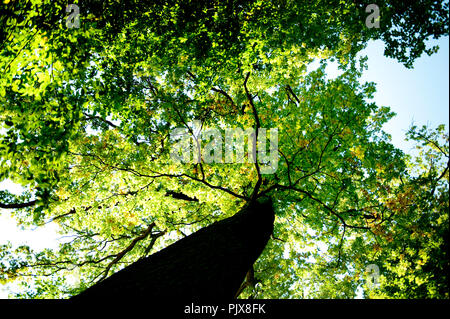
{"points": [[209, 264]]}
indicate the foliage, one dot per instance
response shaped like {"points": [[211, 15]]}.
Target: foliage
{"points": [[414, 252], [87, 114]]}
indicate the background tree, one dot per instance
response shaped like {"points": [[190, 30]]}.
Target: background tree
{"points": [[413, 252], [87, 114]]}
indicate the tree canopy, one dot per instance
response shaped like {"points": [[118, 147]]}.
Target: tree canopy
{"points": [[87, 114]]}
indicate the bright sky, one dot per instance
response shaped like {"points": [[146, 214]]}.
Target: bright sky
{"points": [[420, 95]]}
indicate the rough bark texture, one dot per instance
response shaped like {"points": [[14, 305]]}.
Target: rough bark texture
{"points": [[209, 264]]}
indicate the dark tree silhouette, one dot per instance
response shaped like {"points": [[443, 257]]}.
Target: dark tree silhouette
{"points": [[209, 264]]}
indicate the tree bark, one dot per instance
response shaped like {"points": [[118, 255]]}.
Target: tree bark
{"points": [[209, 264]]}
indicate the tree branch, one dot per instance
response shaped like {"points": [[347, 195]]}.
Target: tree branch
{"points": [[120, 255], [227, 96], [258, 125], [293, 94], [248, 282], [93, 117], [178, 195], [18, 205]]}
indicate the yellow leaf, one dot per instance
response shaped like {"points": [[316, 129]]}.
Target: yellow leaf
{"points": [[57, 66]]}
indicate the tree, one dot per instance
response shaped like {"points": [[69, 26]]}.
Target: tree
{"points": [[88, 112], [209, 264], [415, 253]]}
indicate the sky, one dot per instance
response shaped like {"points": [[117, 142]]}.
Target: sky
{"points": [[419, 95]]}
